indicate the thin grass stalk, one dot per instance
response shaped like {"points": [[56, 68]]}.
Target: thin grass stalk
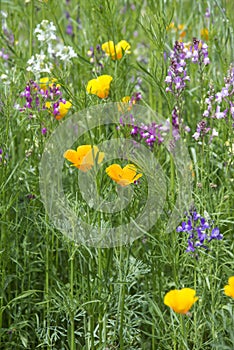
{"points": [[100, 314], [31, 28], [3, 224], [195, 313], [184, 340], [3, 265], [47, 274], [174, 331], [122, 301], [72, 297], [90, 339]]}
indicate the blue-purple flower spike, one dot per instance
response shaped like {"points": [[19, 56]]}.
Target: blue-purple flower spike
{"points": [[199, 230]]}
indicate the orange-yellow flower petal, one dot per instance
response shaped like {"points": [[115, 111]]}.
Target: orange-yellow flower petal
{"points": [[114, 171], [181, 30], [48, 105], [125, 104], [105, 80], [72, 156], [171, 26], [125, 176], [181, 300], [204, 34], [125, 99], [84, 157], [116, 51], [129, 171], [63, 109], [229, 288], [92, 86], [88, 154], [100, 86], [122, 46], [109, 49], [46, 82]]}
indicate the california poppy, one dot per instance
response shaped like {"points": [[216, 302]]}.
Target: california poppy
{"points": [[46, 82], [123, 176], [59, 109], [229, 288], [181, 300], [100, 86], [116, 51], [84, 157]]}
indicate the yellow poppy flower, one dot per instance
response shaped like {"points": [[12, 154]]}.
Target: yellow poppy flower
{"points": [[181, 30], [123, 45], [204, 34], [124, 104], [229, 288], [125, 99], [116, 51], [61, 111], [100, 86], [123, 176], [84, 157], [45, 82], [181, 300], [109, 48], [171, 26], [177, 29]]}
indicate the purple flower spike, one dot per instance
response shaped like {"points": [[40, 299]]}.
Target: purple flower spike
{"points": [[43, 131], [215, 234], [199, 232], [220, 104], [190, 247], [207, 13], [69, 29]]}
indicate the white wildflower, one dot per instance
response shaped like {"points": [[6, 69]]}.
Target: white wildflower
{"points": [[196, 136], [45, 31], [37, 64], [4, 77], [214, 133], [65, 53], [3, 14]]}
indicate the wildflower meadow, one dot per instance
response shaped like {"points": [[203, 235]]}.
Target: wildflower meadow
{"points": [[117, 174]]}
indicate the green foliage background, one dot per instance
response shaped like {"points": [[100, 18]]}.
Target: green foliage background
{"points": [[56, 294]]}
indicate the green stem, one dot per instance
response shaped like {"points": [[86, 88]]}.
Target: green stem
{"points": [[174, 330], [122, 293], [183, 332], [121, 300], [47, 282], [72, 298], [90, 341], [100, 316], [172, 165], [3, 265], [122, 316], [57, 254], [31, 29], [4, 200], [195, 314], [153, 335]]}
